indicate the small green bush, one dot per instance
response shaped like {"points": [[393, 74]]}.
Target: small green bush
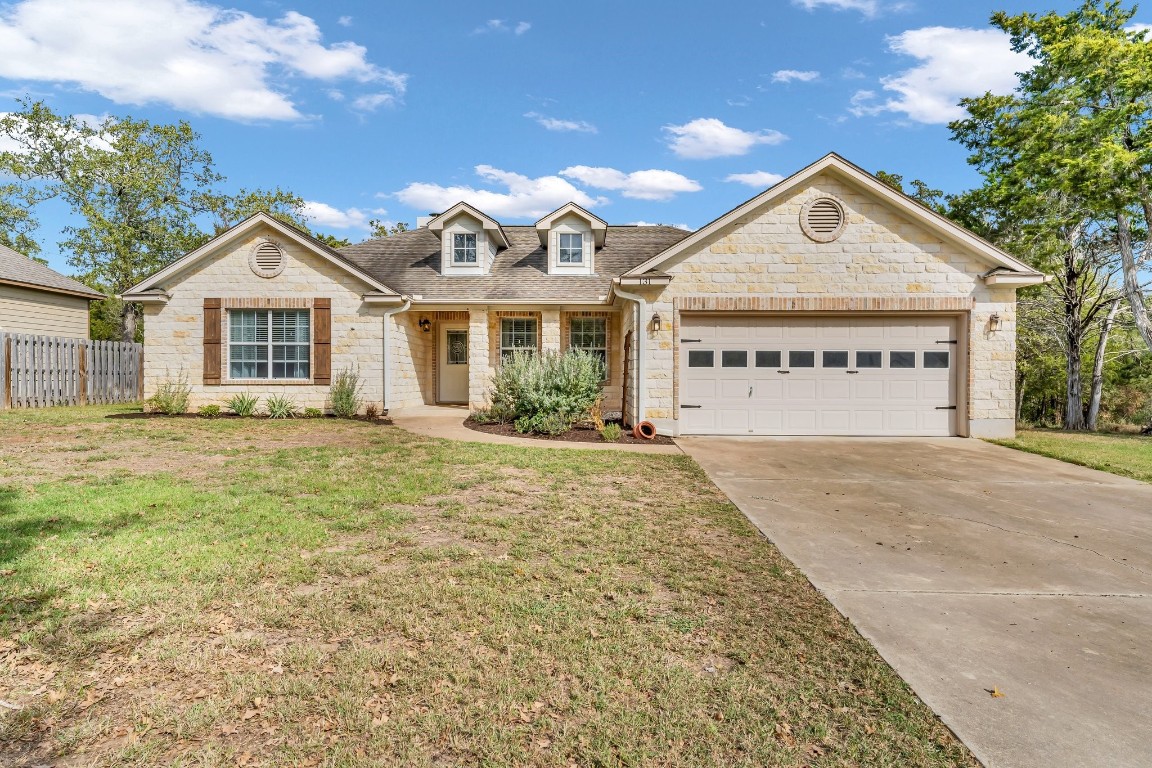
{"points": [[345, 393], [281, 407], [171, 396], [210, 411], [243, 403], [541, 392], [611, 432], [313, 413]]}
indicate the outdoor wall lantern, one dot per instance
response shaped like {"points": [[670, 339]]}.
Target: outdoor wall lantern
{"points": [[994, 322], [656, 322], [425, 325]]}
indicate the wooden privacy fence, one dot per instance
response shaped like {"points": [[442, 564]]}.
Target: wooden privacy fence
{"points": [[39, 371]]}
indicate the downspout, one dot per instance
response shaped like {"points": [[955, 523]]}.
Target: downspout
{"points": [[641, 365], [388, 347]]}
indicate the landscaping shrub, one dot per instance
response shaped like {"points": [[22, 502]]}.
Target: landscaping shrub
{"points": [[171, 396], [372, 411], [243, 403], [210, 411], [313, 413], [490, 415], [546, 393], [281, 407], [611, 432], [345, 393]]}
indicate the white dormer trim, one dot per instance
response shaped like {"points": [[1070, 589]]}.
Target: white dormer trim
{"points": [[571, 225], [597, 226], [464, 219]]}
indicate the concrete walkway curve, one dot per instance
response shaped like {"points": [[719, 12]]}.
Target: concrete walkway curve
{"points": [[448, 422], [974, 568]]}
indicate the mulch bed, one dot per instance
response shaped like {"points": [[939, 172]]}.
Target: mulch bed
{"points": [[579, 434], [378, 420]]}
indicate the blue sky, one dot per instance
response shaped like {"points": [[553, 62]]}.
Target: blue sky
{"points": [[668, 112]]}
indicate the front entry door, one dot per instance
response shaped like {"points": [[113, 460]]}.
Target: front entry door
{"points": [[453, 363]]}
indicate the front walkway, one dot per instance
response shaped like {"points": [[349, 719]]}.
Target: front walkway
{"points": [[973, 569], [448, 422]]}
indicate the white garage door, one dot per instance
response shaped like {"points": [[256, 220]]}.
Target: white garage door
{"points": [[817, 376]]}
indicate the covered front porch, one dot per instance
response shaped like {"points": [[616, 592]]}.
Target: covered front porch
{"points": [[446, 356]]}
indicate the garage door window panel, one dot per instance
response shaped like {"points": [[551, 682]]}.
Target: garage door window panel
{"points": [[801, 359], [901, 360], [767, 358], [834, 359], [870, 359], [701, 358], [936, 359], [734, 358]]}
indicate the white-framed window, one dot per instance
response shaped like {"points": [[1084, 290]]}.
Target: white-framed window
{"points": [[269, 344], [591, 335], [464, 248], [571, 248], [517, 333]]}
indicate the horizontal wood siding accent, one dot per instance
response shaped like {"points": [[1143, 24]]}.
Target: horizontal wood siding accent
{"points": [[27, 310]]}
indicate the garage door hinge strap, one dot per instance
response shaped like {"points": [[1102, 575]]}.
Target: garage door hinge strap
{"points": [[953, 341], [690, 341], [945, 407], [691, 406]]}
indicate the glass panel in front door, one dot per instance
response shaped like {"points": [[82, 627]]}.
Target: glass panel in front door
{"points": [[457, 347]]}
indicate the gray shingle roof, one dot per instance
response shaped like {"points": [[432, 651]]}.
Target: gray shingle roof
{"points": [[409, 262], [18, 268]]}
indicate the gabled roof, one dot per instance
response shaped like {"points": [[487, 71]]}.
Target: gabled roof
{"points": [[410, 262], [491, 226], [835, 164], [331, 255], [598, 225], [17, 269]]}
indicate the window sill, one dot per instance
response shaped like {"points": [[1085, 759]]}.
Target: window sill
{"points": [[273, 382]]}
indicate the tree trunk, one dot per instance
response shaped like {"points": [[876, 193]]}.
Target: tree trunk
{"points": [[128, 322], [1021, 381], [1074, 391], [1098, 366], [1132, 280]]}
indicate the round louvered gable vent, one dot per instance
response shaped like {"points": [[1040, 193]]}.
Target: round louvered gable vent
{"points": [[823, 219], [267, 259]]}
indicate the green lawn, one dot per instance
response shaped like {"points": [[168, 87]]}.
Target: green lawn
{"points": [[201, 593], [1128, 455]]}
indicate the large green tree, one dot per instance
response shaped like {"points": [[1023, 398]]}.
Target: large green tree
{"points": [[1066, 158]]}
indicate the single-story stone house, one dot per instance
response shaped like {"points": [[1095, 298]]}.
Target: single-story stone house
{"points": [[829, 304], [39, 300]]}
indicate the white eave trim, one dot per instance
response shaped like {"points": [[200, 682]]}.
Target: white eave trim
{"points": [[242, 228], [1015, 278], [146, 298], [391, 299], [598, 226], [422, 302], [833, 162], [490, 225], [627, 280]]}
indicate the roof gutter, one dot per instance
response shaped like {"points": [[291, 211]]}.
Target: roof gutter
{"points": [[1001, 277], [641, 366]]}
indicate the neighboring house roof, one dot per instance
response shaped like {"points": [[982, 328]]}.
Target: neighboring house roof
{"points": [[18, 269], [410, 262], [837, 165], [148, 288]]}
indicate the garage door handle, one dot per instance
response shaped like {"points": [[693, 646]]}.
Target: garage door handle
{"points": [[851, 371], [783, 371]]}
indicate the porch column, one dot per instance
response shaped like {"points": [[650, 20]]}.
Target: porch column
{"points": [[550, 330], [479, 358]]}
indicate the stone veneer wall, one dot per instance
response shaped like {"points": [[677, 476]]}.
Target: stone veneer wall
{"points": [[174, 332], [881, 255]]}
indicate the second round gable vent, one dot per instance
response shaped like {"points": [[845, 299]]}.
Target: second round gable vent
{"points": [[823, 219], [267, 259]]}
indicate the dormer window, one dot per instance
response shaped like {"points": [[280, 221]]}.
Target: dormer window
{"points": [[464, 248], [571, 248]]}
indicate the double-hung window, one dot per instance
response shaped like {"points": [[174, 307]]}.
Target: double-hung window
{"points": [[591, 335], [269, 344], [571, 248], [464, 248], [517, 334]]}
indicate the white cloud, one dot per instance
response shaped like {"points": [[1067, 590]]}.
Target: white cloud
{"points": [[739, 101], [370, 102], [954, 63], [790, 75], [755, 178], [521, 197], [555, 124], [324, 215], [190, 55], [867, 7], [651, 184], [344, 21], [685, 227], [499, 25], [8, 144], [707, 137]]}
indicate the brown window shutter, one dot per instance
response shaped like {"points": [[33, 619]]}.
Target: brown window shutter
{"points": [[212, 323], [322, 341]]}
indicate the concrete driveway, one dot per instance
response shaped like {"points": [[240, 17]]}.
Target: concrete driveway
{"points": [[972, 567]]}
